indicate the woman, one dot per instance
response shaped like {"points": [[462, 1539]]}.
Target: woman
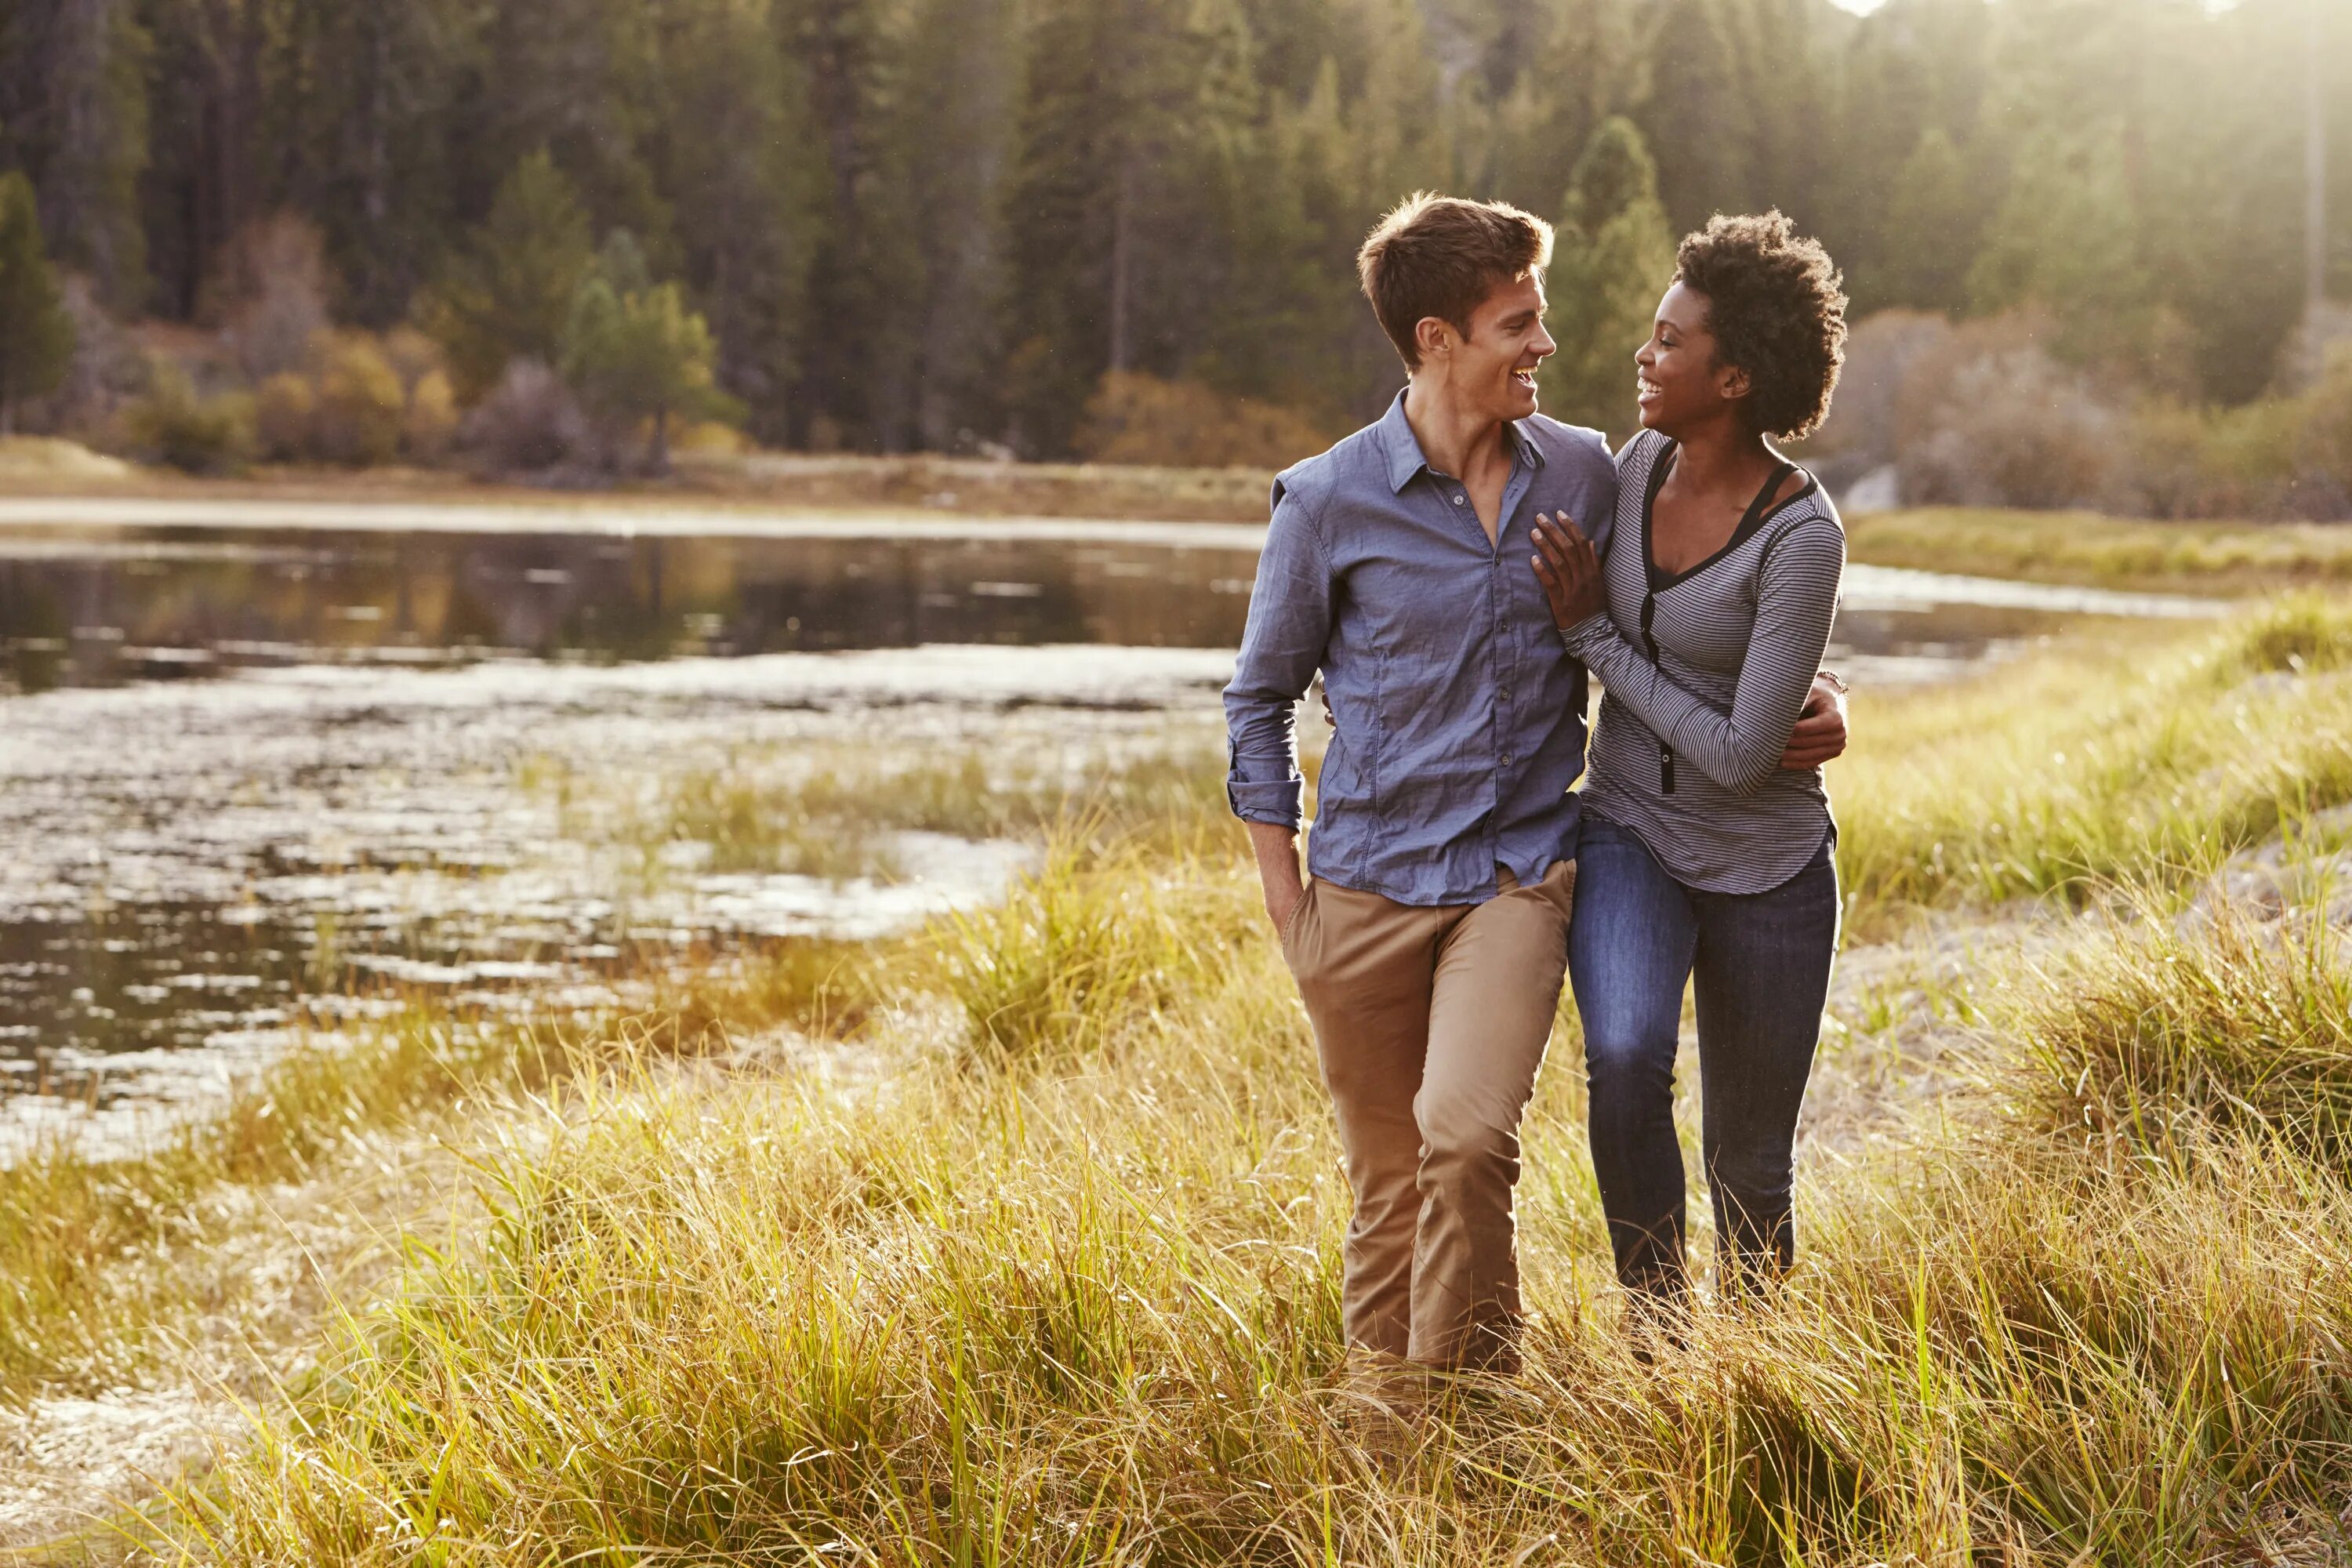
{"points": [[1702, 857]]}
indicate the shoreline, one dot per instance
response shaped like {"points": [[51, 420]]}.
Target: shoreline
{"points": [[953, 498]]}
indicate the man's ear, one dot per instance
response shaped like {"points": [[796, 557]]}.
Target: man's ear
{"points": [[1434, 336]]}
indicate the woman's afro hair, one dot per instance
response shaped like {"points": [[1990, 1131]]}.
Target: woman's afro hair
{"points": [[1777, 308]]}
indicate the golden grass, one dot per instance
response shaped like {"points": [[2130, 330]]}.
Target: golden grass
{"points": [[2149, 760], [2088, 548], [990, 1314], [829, 812], [1059, 1284]]}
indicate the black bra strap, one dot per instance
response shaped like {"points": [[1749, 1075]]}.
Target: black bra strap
{"points": [[1764, 498]]}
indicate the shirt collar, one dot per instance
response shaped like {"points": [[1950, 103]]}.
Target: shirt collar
{"points": [[1403, 448]]}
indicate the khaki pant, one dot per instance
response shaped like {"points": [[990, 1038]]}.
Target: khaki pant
{"points": [[1431, 1024]]}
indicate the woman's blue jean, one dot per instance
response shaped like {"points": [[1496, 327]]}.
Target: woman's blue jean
{"points": [[1761, 965]]}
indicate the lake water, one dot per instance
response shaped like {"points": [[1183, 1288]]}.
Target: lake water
{"points": [[262, 780]]}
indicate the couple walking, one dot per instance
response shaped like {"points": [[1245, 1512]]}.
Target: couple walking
{"points": [[1455, 571]]}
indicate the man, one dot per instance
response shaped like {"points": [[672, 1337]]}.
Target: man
{"points": [[1430, 945]]}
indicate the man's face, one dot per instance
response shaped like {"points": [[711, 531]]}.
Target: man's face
{"points": [[1493, 371]]}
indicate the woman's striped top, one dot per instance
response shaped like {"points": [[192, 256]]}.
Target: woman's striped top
{"points": [[1706, 671]]}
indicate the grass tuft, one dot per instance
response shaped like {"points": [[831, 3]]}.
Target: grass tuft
{"points": [[2163, 1034], [1085, 947]]}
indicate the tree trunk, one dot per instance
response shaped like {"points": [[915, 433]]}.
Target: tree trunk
{"points": [[657, 449], [1123, 264]]}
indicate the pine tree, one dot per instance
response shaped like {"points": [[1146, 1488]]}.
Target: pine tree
{"points": [[745, 173], [36, 336], [961, 136], [1932, 230], [1102, 207], [579, 79], [633, 350], [510, 295], [73, 97], [2066, 240], [1612, 255], [1696, 117], [2222, 179], [363, 112], [209, 80], [858, 344]]}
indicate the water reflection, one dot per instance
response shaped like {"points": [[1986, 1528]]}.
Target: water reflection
{"points": [[160, 604], [199, 872], [81, 606]]}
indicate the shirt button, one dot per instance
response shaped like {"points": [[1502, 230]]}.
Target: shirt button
{"points": [[1457, 500], [1507, 759]]}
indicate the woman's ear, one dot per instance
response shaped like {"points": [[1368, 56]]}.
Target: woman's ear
{"points": [[1731, 383]]}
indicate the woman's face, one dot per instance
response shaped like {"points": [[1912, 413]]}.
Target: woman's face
{"points": [[1679, 384]]}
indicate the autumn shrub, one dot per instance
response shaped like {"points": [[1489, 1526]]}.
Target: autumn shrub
{"points": [[285, 412], [429, 427], [1982, 414], [1137, 418], [272, 288], [531, 422], [1988, 419], [350, 404], [430, 416], [107, 370], [710, 437], [361, 406]]}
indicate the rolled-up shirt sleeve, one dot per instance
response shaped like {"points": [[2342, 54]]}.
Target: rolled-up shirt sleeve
{"points": [[1283, 645]]}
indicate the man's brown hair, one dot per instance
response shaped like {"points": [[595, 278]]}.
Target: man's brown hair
{"points": [[1441, 256]]}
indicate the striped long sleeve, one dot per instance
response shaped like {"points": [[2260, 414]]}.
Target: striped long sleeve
{"points": [[1796, 602]]}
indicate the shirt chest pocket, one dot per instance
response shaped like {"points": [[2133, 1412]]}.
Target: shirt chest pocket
{"points": [[1423, 608]]}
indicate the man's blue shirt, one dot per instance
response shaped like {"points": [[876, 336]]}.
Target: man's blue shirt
{"points": [[1460, 716]]}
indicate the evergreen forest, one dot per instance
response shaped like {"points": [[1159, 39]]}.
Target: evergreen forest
{"points": [[895, 225]]}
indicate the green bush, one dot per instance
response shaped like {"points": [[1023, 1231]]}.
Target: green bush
{"points": [[174, 424]]}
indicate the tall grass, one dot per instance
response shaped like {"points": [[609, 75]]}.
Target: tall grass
{"points": [[830, 816], [1088, 946], [1089, 1314], [1069, 1294], [78, 1236], [86, 1239], [2168, 1030], [2152, 761]]}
